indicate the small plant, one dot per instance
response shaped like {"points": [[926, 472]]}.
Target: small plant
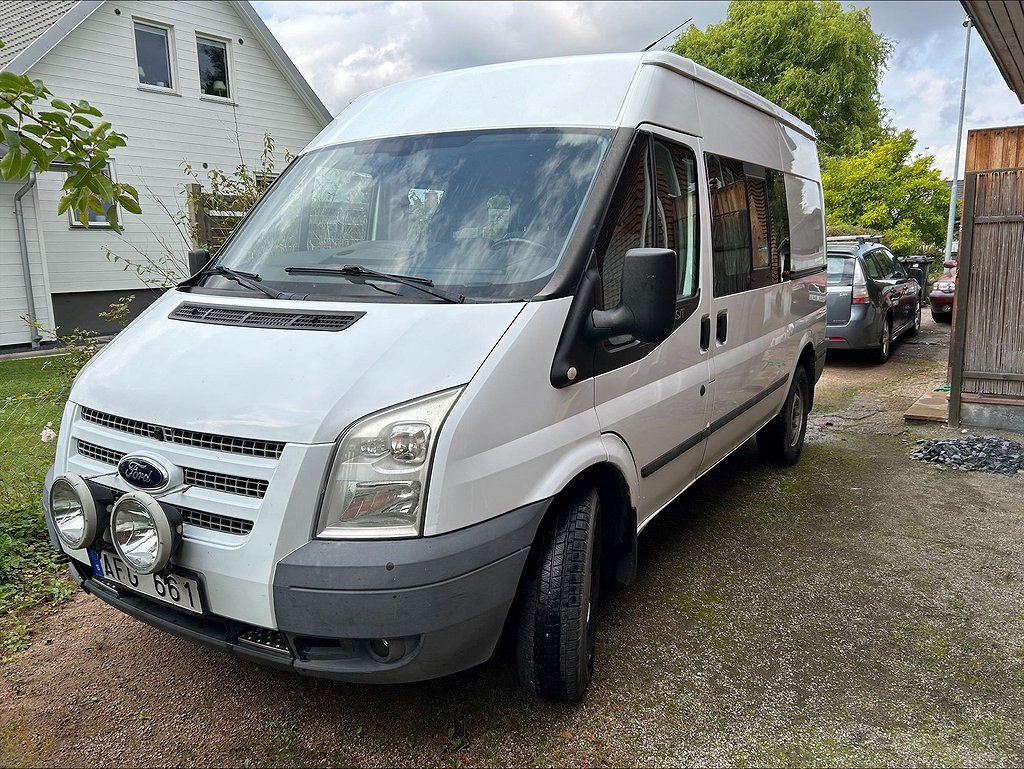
{"points": [[282, 738]]}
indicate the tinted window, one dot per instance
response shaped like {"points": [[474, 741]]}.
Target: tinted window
{"points": [[885, 262], [873, 267], [677, 222], [630, 225], [778, 223], [730, 226]]}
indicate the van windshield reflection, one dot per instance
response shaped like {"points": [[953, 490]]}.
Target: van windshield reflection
{"points": [[479, 215]]}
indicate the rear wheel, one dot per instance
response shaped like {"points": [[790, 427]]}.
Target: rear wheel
{"points": [[884, 342], [913, 330], [558, 613], [780, 441]]}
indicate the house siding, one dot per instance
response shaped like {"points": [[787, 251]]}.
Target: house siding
{"points": [[96, 62], [13, 302]]}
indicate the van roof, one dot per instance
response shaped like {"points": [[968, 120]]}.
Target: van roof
{"points": [[579, 91]]}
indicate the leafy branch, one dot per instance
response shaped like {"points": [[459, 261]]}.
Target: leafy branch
{"points": [[45, 132]]}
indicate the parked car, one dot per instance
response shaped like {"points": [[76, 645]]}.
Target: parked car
{"points": [[944, 293], [871, 297]]}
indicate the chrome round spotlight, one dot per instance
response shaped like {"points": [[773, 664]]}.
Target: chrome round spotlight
{"points": [[73, 511], [144, 533]]}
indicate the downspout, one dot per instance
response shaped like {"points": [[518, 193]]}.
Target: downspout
{"points": [[19, 214]]}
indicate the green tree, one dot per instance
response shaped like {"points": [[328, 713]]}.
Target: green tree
{"points": [[42, 131], [814, 59], [889, 189]]}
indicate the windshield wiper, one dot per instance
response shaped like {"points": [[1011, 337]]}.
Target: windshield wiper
{"points": [[358, 271], [249, 280]]}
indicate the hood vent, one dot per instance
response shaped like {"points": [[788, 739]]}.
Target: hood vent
{"points": [[253, 318]]}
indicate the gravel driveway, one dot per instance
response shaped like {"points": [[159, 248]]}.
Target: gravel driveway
{"points": [[858, 608]]}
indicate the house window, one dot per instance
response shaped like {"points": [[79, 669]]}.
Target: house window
{"points": [[153, 54], [213, 67], [95, 218]]}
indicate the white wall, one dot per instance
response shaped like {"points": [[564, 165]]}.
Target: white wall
{"points": [[96, 62], [13, 302]]}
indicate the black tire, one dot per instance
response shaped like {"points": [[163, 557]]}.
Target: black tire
{"points": [[881, 355], [780, 441], [945, 317], [558, 609], [916, 328]]}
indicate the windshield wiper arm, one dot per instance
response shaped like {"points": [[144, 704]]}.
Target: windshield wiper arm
{"points": [[358, 271], [249, 280]]}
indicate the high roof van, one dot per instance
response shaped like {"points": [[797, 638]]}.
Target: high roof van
{"points": [[475, 337]]}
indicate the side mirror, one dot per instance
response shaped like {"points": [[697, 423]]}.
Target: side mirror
{"points": [[917, 274], [647, 308], [197, 259]]}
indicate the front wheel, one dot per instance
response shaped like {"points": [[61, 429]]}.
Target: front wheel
{"points": [[780, 441], [558, 611]]}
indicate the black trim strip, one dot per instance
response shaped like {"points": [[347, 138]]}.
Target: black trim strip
{"points": [[718, 424], [808, 271]]}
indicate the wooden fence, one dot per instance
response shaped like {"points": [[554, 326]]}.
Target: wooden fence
{"points": [[212, 218]]}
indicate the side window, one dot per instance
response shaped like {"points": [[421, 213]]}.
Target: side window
{"points": [[885, 263], [806, 207], [778, 224], [629, 224], [676, 220], [872, 266], [730, 226], [757, 205], [95, 218]]}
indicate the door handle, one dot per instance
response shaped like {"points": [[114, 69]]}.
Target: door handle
{"points": [[705, 333], [722, 326]]}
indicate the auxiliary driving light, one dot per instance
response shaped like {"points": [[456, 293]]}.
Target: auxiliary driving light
{"points": [[73, 511], [145, 533]]}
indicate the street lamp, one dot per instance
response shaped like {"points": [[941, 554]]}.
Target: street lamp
{"points": [[959, 135]]}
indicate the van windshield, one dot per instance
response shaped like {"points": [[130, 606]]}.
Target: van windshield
{"points": [[485, 215]]}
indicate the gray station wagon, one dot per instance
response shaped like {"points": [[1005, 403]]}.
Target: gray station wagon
{"points": [[872, 299]]}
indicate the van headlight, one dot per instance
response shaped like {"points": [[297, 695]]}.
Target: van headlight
{"points": [[377, 482]]}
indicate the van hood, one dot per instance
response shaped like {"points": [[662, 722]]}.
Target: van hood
{"points": [[290, 385]]}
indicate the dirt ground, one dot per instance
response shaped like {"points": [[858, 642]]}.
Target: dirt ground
{"points": [[859, 608]]}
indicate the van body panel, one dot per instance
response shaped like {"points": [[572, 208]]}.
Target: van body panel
{"points": [[288, 385], [490, 457], [728, 125]]}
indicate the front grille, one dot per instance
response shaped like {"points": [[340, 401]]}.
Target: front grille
{"points": [[99, 453], [247, 446], [287, 319], [232, 484], [216, 522], [225, 524]]}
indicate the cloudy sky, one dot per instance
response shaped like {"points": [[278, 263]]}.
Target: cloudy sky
{"points": [[346, 48]]}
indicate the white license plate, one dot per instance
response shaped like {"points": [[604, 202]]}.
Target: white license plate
{"points": [[175, 589]]}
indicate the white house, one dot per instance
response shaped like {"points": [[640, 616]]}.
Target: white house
{"points": [[186, 82]]}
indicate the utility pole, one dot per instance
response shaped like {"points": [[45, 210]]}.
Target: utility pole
{"points": [[959, 135]]}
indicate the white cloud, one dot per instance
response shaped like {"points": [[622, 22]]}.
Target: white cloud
{"points": [[345, 49]]}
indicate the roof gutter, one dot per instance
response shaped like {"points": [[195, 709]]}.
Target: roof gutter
{"points": [[19, 213]]}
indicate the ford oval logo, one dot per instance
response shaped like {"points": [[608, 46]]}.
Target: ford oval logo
{"points": [[142, 472]]}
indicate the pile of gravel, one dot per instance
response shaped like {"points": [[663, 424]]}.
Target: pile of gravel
{"points": [[987, 453]]}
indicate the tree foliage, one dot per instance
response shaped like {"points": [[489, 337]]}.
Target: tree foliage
{"points": [[889, 189], [814, 59], [41, 131]]}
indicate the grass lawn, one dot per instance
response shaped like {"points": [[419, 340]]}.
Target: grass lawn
{"points": [[28, 576]]}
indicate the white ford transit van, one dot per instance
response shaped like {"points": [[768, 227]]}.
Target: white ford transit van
{"points": [[484, 329]]}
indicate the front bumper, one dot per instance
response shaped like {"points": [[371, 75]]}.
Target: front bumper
{"points": [[941, 302], [440, 602]]}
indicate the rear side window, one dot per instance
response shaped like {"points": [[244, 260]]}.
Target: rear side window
{"points": [[807, 224], [840, 271], [873, 266]]}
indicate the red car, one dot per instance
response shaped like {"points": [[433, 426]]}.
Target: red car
{"points": [[942, 295]]}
